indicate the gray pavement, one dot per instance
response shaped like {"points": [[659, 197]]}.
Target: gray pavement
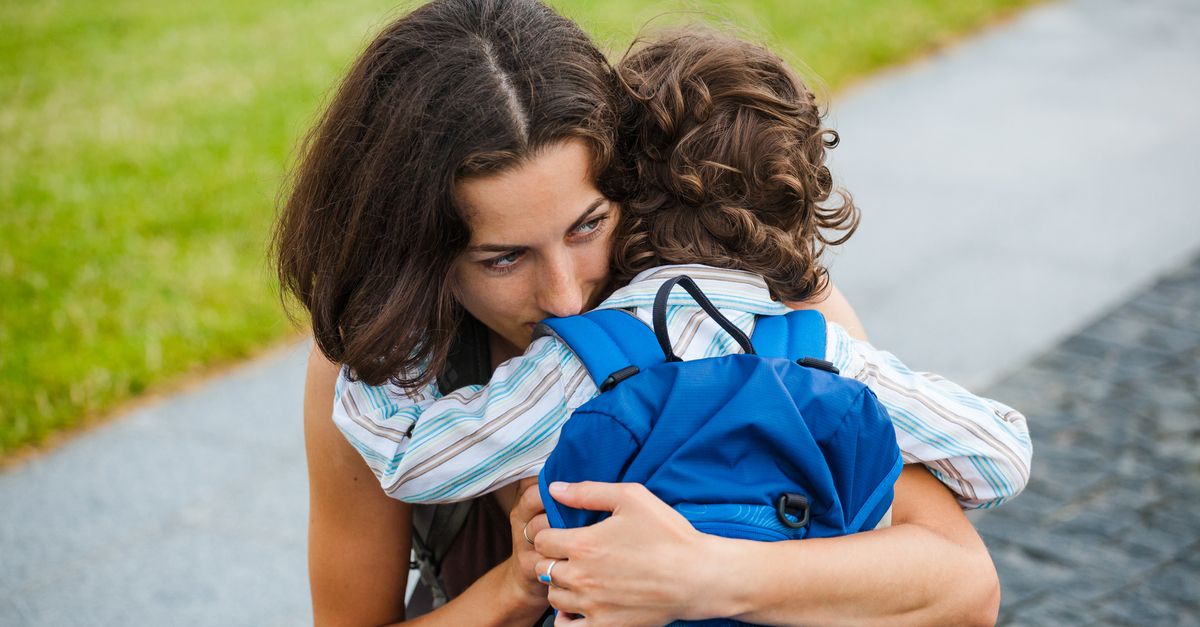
{"points": [[1108, 531], [191, 511], [1015, 188]]}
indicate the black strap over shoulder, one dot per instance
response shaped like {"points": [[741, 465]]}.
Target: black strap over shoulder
{"points": [[436, 527], [660, 315], [469, 361], [434, 530]]}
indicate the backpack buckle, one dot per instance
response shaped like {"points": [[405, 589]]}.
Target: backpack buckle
{"points": [[794, 504], [819, 364], [617, 377]]}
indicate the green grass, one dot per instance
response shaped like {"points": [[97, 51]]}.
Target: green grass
{"points": [[835, 41], [142, 145]]}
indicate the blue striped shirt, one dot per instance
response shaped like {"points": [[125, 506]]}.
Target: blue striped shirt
{"points": [[425, 447]]}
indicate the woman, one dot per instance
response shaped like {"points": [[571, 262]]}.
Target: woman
{"points": [[469, 165]]}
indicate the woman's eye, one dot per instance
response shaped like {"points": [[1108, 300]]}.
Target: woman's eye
{"points": [[590, 226], [504, 261]]}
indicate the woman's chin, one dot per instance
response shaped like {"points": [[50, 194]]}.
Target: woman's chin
{"points": [[526, 335], [511, 342]]}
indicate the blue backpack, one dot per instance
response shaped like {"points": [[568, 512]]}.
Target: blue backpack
{"points": [[767, 445]]}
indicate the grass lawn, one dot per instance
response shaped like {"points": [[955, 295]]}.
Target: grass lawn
{"points": [[142, 146]]}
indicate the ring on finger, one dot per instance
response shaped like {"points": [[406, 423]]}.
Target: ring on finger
{"points": [[548, 578], [525, 532]]}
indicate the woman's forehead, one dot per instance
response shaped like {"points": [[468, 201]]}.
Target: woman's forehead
{"points": [[548, 192]]}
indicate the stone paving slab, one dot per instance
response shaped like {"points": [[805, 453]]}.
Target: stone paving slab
{"points": [[1108, 531]]}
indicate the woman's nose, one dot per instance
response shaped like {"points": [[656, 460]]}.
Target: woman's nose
{"points": [[560, 293]]}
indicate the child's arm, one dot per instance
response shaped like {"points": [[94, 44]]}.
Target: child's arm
{"points": [[431, 449], [979, 448]]}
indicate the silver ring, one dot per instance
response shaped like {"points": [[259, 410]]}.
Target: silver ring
{"points": [[525, 532], [549, 576]]}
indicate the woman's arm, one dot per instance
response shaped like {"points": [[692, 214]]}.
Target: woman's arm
{"points": [[647, 565], [929, 568], [359, 539]]}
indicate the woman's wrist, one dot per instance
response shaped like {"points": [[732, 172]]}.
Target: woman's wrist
{"points": [[518, 593], [511, 602], [741, 577], [721, 588], [493, 600]]}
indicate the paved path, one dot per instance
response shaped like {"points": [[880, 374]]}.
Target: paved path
{"points": [[1108, 531], [188, 512], [1016, 187]]}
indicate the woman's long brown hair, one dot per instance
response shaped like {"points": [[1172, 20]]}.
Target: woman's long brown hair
{"points": [[369, 231]]}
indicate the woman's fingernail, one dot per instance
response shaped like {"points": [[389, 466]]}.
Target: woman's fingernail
{"points": [[558, 488], [543, 579]]}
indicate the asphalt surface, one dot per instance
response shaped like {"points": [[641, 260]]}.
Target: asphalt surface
{"points": [[1024, 193]]}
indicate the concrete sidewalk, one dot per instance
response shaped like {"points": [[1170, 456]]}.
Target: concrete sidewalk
{"points": [[192, 511], [1014, 188]]}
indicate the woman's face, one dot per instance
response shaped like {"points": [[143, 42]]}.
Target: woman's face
{"points": [[541, 234]]}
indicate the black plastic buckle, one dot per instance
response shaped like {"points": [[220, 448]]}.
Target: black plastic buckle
{"points": [[819, 364], [617, 377], [794, 504]]}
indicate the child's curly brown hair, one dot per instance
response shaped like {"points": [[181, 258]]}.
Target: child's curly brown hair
{"points": [[725, 156]]}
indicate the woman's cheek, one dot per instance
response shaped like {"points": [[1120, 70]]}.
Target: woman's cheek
{"points": [[484, 295], [598, 267]]}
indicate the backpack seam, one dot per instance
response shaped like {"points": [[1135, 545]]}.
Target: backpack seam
{"points": [[614, 419], [845, 415]]}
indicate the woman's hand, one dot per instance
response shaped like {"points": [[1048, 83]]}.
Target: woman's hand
{"points": [[642, 566], [527, 518]]}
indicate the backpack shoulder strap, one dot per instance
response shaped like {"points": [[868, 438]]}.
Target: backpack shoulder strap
{"points": [[612, 343], [795, 335], [436, 528]]}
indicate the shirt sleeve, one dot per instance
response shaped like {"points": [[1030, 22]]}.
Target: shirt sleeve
{"points": [[428, 448], [977, 447]]}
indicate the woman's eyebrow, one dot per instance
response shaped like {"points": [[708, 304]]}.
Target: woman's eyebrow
{"points": [[587, 213], [504, 248], [495, 248]]}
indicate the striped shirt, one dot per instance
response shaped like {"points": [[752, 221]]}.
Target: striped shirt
{"points": [[425, 447]]}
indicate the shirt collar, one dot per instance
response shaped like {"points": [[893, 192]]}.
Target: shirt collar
{"points": [[726, 288]]}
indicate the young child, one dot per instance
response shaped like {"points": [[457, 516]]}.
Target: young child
{"points": [[727, 151]]}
